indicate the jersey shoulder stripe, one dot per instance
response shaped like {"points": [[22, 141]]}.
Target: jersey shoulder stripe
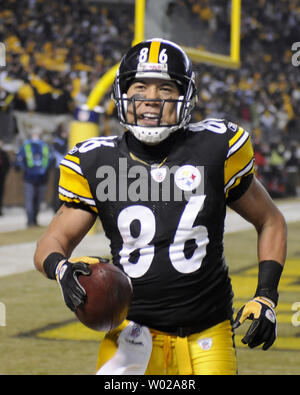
{"points": [[239, 155], [237, 141], [236, 178], [240, 160], [71, 165], [70, 196], [72, 158], [73, 186]]}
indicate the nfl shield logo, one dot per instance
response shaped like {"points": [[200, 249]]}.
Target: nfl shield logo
{"points": [[159, 173]]}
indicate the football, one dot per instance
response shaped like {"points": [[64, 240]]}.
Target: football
{"points": [[108, 296]]}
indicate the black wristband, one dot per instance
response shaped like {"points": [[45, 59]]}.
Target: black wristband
{"points": [[269, 273], [51, 262]]}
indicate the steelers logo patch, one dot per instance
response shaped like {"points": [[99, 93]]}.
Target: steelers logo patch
{"points": [[187, 178]]}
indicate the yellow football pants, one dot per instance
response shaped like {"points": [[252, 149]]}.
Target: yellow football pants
{"points": [[210, 352]]}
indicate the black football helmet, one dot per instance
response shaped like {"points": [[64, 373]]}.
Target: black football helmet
{"points": [[155, 58]]}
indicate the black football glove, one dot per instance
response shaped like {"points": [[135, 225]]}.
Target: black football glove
{"points": [[67, 277], [264, 326]]}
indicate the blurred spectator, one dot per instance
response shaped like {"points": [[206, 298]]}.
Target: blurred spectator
{"points": [[7, 92], [61, 49], [7, 97], [4, 167], [60, 148], [34, 159], [292, 166], [277, 183], [261, 162], [268, 123], [16, 91]]}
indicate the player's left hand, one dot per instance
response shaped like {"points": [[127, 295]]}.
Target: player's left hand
{"points": [[264, 326]]}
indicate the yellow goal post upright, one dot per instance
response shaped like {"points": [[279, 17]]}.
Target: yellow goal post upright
{"points": [[231, 60]]}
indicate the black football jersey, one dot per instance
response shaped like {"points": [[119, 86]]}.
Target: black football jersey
{"points": [[165, 221]]}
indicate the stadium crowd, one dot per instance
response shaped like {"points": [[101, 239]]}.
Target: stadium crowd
{"points": [[56, 52], [264, 95]]}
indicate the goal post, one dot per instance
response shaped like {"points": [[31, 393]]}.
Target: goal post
{"points": [[159, 24], [232, 60]]}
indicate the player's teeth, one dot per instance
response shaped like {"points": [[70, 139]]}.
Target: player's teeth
{"points": [[152, 116]]}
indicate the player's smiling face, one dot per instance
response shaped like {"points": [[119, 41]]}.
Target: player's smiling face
{"points": [[148, 111]]}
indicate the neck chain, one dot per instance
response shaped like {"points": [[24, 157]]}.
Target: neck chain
{"points": [[134, 157]]}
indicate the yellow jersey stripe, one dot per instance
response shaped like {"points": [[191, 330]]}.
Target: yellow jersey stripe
{"points": [[73, 200], [236, 178], [70, 180], [67, 199], [71, 165], [236, 136], [71, 195], [73, 186], [72, 158], [154, 52], [238, 143], [239, 162]]}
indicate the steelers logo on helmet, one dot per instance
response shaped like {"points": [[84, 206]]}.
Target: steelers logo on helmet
{"points": [[160, 59]]}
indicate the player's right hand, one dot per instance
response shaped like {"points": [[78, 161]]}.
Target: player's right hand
{"points": [[67, 278]]}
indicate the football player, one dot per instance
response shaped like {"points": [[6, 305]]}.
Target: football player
{"points": [[161, 192]]}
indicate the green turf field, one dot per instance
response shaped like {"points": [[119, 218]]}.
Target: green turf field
{"points": [[42, 336]]}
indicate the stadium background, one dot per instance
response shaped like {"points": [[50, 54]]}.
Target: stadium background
{"points": [[56, 53]]}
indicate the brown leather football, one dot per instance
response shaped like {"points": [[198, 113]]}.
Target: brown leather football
{"points": [[108, 297]]}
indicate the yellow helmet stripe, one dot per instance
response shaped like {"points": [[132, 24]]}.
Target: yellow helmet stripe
{"points": [[154, 52]]}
